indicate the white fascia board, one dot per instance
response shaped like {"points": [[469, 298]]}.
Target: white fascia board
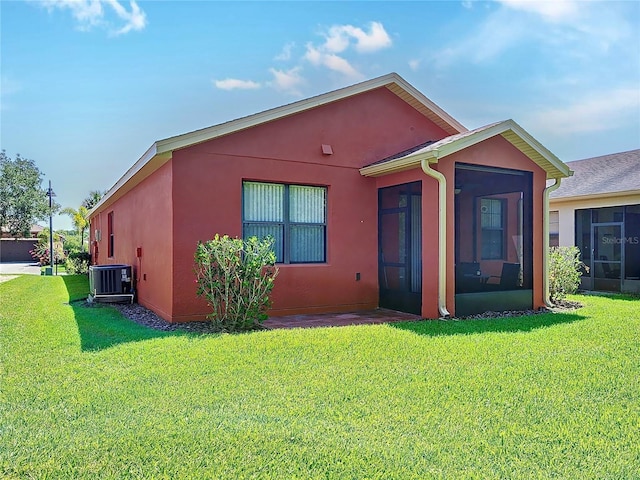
{"points": [[595, 196], [541, 149], [414, 92], [400, 164], [446, 147], [209, 133], [165, 147]]}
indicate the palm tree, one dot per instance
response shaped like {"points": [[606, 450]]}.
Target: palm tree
{"points": [[80, 219], [92, 199]]}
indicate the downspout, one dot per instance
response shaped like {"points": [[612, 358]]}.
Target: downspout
{"points": [[442, 235], [545, 241]]}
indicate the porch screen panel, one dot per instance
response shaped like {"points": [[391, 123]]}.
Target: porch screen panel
{"points": [[416, 244], [632, 242]]}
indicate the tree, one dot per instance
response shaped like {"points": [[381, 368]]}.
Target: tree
{"points": [[92, 199], [22, 199], [80, 219]]}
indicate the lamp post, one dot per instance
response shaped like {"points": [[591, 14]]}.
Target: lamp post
{"points": [[51, 194]]}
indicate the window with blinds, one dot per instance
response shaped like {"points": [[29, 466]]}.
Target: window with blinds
{"points": [[294, 215]]}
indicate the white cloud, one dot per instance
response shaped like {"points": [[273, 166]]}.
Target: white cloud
{"points": [[599, 111], [331, 61], [92, 13], [134, 20], [498, 33], [285, 54], [414, 64], [287, 81], [339, 38], [573, 29], [556, 10], [235, 84]]}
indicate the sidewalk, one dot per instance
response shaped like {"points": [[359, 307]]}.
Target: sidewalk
{"points": [[19, 268]]}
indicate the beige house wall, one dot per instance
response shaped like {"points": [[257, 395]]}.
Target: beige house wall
{"points": [[566, 208]]}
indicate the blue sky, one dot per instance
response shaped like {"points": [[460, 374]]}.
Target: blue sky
{"points": [[87, 85]]}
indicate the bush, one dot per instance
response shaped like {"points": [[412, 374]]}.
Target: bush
{"points": [[40, 252], [565, 270], [77, 263], [236, 277]]}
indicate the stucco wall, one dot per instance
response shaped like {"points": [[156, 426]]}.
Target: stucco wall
{"points": [[566, 212], [142, 219], [207, 196], [496, 152], [430, 247]]}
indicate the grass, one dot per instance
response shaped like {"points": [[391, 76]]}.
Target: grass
{"points": [[87, 394]]}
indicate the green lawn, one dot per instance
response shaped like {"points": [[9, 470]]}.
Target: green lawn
{"points": [[85, 393]]}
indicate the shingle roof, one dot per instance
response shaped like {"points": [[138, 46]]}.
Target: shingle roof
{"points": [[617, 172], [508, 129], [406, 152]]}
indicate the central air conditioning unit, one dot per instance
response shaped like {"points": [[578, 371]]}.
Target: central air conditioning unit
{"points": [[111, 283]]}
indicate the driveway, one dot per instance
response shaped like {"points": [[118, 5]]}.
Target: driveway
{"points": [[19, 268]]}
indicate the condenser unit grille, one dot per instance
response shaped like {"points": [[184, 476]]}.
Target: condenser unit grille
{"points": [[110, 279]]}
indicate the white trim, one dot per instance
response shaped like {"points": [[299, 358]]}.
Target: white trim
{"points": [[545, 240], [206, 134], [442, 236], [554, 167], [149, 155], [395, 83], [594, 196]]}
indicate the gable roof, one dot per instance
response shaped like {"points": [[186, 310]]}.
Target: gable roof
{"points": [[161, 151], [508, 129], [614, 174]]}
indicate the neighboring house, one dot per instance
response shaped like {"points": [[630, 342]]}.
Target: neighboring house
{"points": [[18, 249], [33, 233], [376, 198], [598, 210]]}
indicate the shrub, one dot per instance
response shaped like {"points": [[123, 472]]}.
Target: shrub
{"points": [[77, 263], [565, 270], [236, 277], [40, 252]]}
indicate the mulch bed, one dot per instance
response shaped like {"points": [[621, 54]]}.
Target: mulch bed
{"points": [[559, 307], [142, 316], [145, 317]]}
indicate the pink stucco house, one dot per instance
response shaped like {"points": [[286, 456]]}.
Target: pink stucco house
{"points": [[375, 195]]}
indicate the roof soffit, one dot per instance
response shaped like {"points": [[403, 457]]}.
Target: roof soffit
{"points": [[508, 129]]}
